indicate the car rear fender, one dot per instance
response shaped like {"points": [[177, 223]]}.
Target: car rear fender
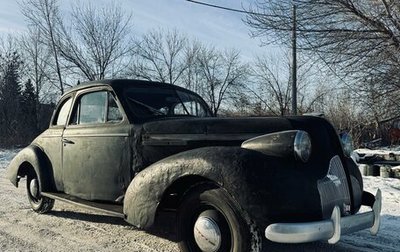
{"points": [[31, 157], [224, 166]]}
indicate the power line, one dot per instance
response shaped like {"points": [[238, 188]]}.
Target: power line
{"points": [[227, 8]]}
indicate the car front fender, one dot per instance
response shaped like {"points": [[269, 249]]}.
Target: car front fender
{"points": [[31, 156], [243, 173]]}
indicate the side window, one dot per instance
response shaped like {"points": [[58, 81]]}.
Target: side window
{"points": [[113, 112], [62, 113], [92, 108], [96, 108]]}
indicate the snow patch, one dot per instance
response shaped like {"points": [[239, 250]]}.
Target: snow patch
{"points": [[6, 156]]}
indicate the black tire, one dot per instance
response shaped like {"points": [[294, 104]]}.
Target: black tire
{"points": [[39, 203], [236, 234]]}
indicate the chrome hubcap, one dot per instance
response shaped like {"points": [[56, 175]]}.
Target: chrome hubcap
{"points": [[34, 188], [207, 234]]}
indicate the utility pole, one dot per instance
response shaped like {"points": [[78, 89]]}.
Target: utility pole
{"points": [[294, 63]]}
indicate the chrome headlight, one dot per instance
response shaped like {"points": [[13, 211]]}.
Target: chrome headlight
{"points": [[347, 143], [302, 146], [289, 143]]}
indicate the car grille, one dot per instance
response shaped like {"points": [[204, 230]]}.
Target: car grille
{"points": [[334, 189]]}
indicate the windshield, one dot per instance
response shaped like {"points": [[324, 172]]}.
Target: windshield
{"points": [[165, 102]]}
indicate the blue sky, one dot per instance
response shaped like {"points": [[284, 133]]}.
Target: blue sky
{"points": [[211, 26]]}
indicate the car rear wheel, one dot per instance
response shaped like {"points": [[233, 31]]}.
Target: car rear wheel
{"points": [[39, 203], [209, 220]]}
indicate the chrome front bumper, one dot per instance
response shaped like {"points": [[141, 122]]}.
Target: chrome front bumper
{"points": [[330, 229]]}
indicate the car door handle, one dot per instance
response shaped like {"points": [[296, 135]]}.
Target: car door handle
{"points": [[66, 141]]}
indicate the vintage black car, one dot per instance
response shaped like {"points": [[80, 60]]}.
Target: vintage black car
{"points": [[134, 148]]}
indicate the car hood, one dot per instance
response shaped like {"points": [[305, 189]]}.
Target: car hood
{"points": [[160, 139], [213, 131]]}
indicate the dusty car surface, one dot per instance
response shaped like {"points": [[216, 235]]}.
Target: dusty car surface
{"points": [[134, 148]]}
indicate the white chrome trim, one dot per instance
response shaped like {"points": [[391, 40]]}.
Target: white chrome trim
{"points": [[207, 234], [330, 229], [335, 218], [97, 135], [377, 207]]}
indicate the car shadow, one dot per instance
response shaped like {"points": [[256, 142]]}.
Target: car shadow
{"points": [[164, 226], [89, 217]]}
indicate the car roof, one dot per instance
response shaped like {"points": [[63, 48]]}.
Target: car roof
{"points": [[117, 84]]}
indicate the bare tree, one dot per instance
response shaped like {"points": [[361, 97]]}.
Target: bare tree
{"points": [[192, 78], [45, 15], [274, 92], [38, 74], [160, 56], [272, 85], [222, 73], [98, 42], [344, 113], [363, 37], [172, 58], [378, 104], [353, 27], [38, 61]]}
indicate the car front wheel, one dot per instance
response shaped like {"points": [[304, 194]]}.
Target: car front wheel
{"points": [[39, 203], [209, 220]]}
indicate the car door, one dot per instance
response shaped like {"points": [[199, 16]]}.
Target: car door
{"points": [[50, 140], [96, 153]]}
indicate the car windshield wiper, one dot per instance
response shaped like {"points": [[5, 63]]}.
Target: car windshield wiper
{"points": [[150, 108], [183, 105]]}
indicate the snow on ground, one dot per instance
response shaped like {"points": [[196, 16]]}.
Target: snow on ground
{"points": [[6, 156], [382, 151], [69, 228]]}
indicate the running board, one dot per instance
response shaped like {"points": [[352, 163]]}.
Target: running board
{"points": [[108, 209]]}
